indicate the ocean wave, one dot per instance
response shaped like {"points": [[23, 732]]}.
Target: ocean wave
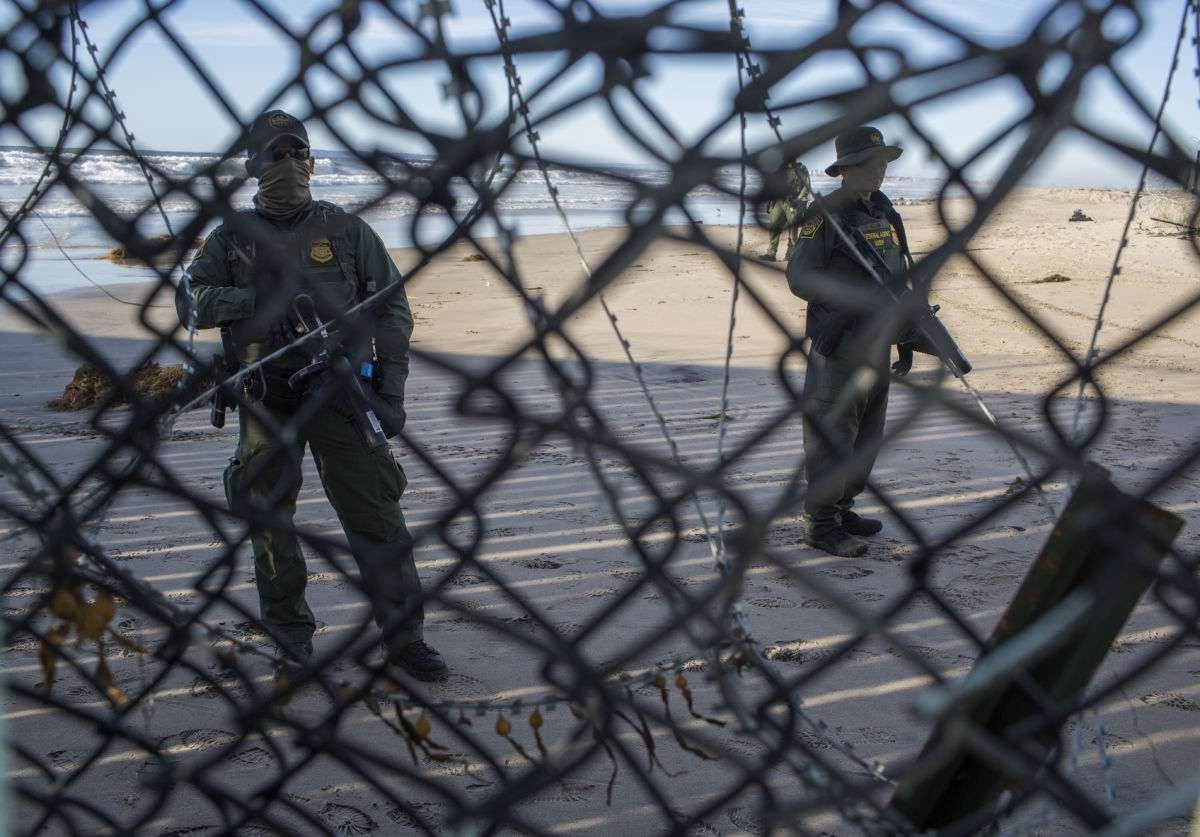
{"points": [[345, 173], [521, 197]]}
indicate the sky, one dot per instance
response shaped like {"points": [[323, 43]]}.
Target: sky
{"points": [[186, 82]]}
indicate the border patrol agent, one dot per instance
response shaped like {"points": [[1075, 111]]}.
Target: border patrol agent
{"points": [[786, 212], [246, 277], [846, 384]]}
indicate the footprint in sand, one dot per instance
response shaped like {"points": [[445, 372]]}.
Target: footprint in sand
{"points": [[253, 757], [346, 819], [540, 563], [425, 815], [771, 602], [1173, 700], [746, 820], [847, 573]]}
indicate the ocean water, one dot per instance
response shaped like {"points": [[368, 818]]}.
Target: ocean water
{"points": [[60, 245]]}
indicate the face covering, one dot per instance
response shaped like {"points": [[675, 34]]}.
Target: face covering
{"points": [[283, 188]]}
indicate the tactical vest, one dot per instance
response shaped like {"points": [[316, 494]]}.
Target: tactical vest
{"points": [[885, 234], [312, 257]]}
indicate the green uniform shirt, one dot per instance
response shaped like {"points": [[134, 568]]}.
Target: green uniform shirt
{"points": [[823, 271], [257, 265]]}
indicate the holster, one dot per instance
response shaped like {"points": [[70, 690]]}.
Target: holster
{"points": [[826, 326], [269, 386]]}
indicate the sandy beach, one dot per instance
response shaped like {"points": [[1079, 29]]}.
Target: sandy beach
{"points": [[533, 581]]}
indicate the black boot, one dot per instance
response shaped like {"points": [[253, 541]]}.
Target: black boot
{"points": [[418, 660], [292, 660], [860, 526], [836, 541]]}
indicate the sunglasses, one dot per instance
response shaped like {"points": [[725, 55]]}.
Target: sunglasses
{"points": [[280, 151]]}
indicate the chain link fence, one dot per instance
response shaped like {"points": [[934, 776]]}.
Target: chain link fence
{"points": [[608, 533]]}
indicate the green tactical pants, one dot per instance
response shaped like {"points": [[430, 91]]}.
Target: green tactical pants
{"points": [[364, 489], [845, 404], [782, 215]]}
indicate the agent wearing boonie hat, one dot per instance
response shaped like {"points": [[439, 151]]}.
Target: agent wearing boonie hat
{"points": [[856, 147], [847, 380]]}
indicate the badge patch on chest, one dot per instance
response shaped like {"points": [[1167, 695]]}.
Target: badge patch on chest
{"points": [[320, 250], [811, 226]]}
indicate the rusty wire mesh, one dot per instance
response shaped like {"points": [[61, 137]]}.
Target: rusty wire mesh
{"points": [[650, 701]]}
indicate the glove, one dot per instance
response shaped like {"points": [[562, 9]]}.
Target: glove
{"points": [[396, 416], [282, 327], [904, 362], [287, 328]]}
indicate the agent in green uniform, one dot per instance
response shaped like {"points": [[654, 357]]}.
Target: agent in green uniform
{"points": [[247, 276], [787, 211], [852, 324]]}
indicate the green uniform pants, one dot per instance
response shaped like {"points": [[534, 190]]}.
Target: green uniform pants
{"points": [[364, 489], [845, 404], [782, 215]]}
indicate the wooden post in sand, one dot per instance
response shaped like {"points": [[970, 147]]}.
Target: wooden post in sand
{"points": [[998, 727]]}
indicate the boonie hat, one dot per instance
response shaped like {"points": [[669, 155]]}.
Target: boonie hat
{"points": [[857, 146], [272, 126]]}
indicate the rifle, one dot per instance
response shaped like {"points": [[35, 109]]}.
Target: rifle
{"points": [[331, 368], [225, 366], [932, 336]]}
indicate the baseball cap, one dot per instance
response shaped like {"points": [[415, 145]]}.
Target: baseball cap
{"points": [[271, 127], [857, 146]]}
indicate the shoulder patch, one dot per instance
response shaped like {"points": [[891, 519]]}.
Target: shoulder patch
{"points": [[203, 244], [811, 226]]}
